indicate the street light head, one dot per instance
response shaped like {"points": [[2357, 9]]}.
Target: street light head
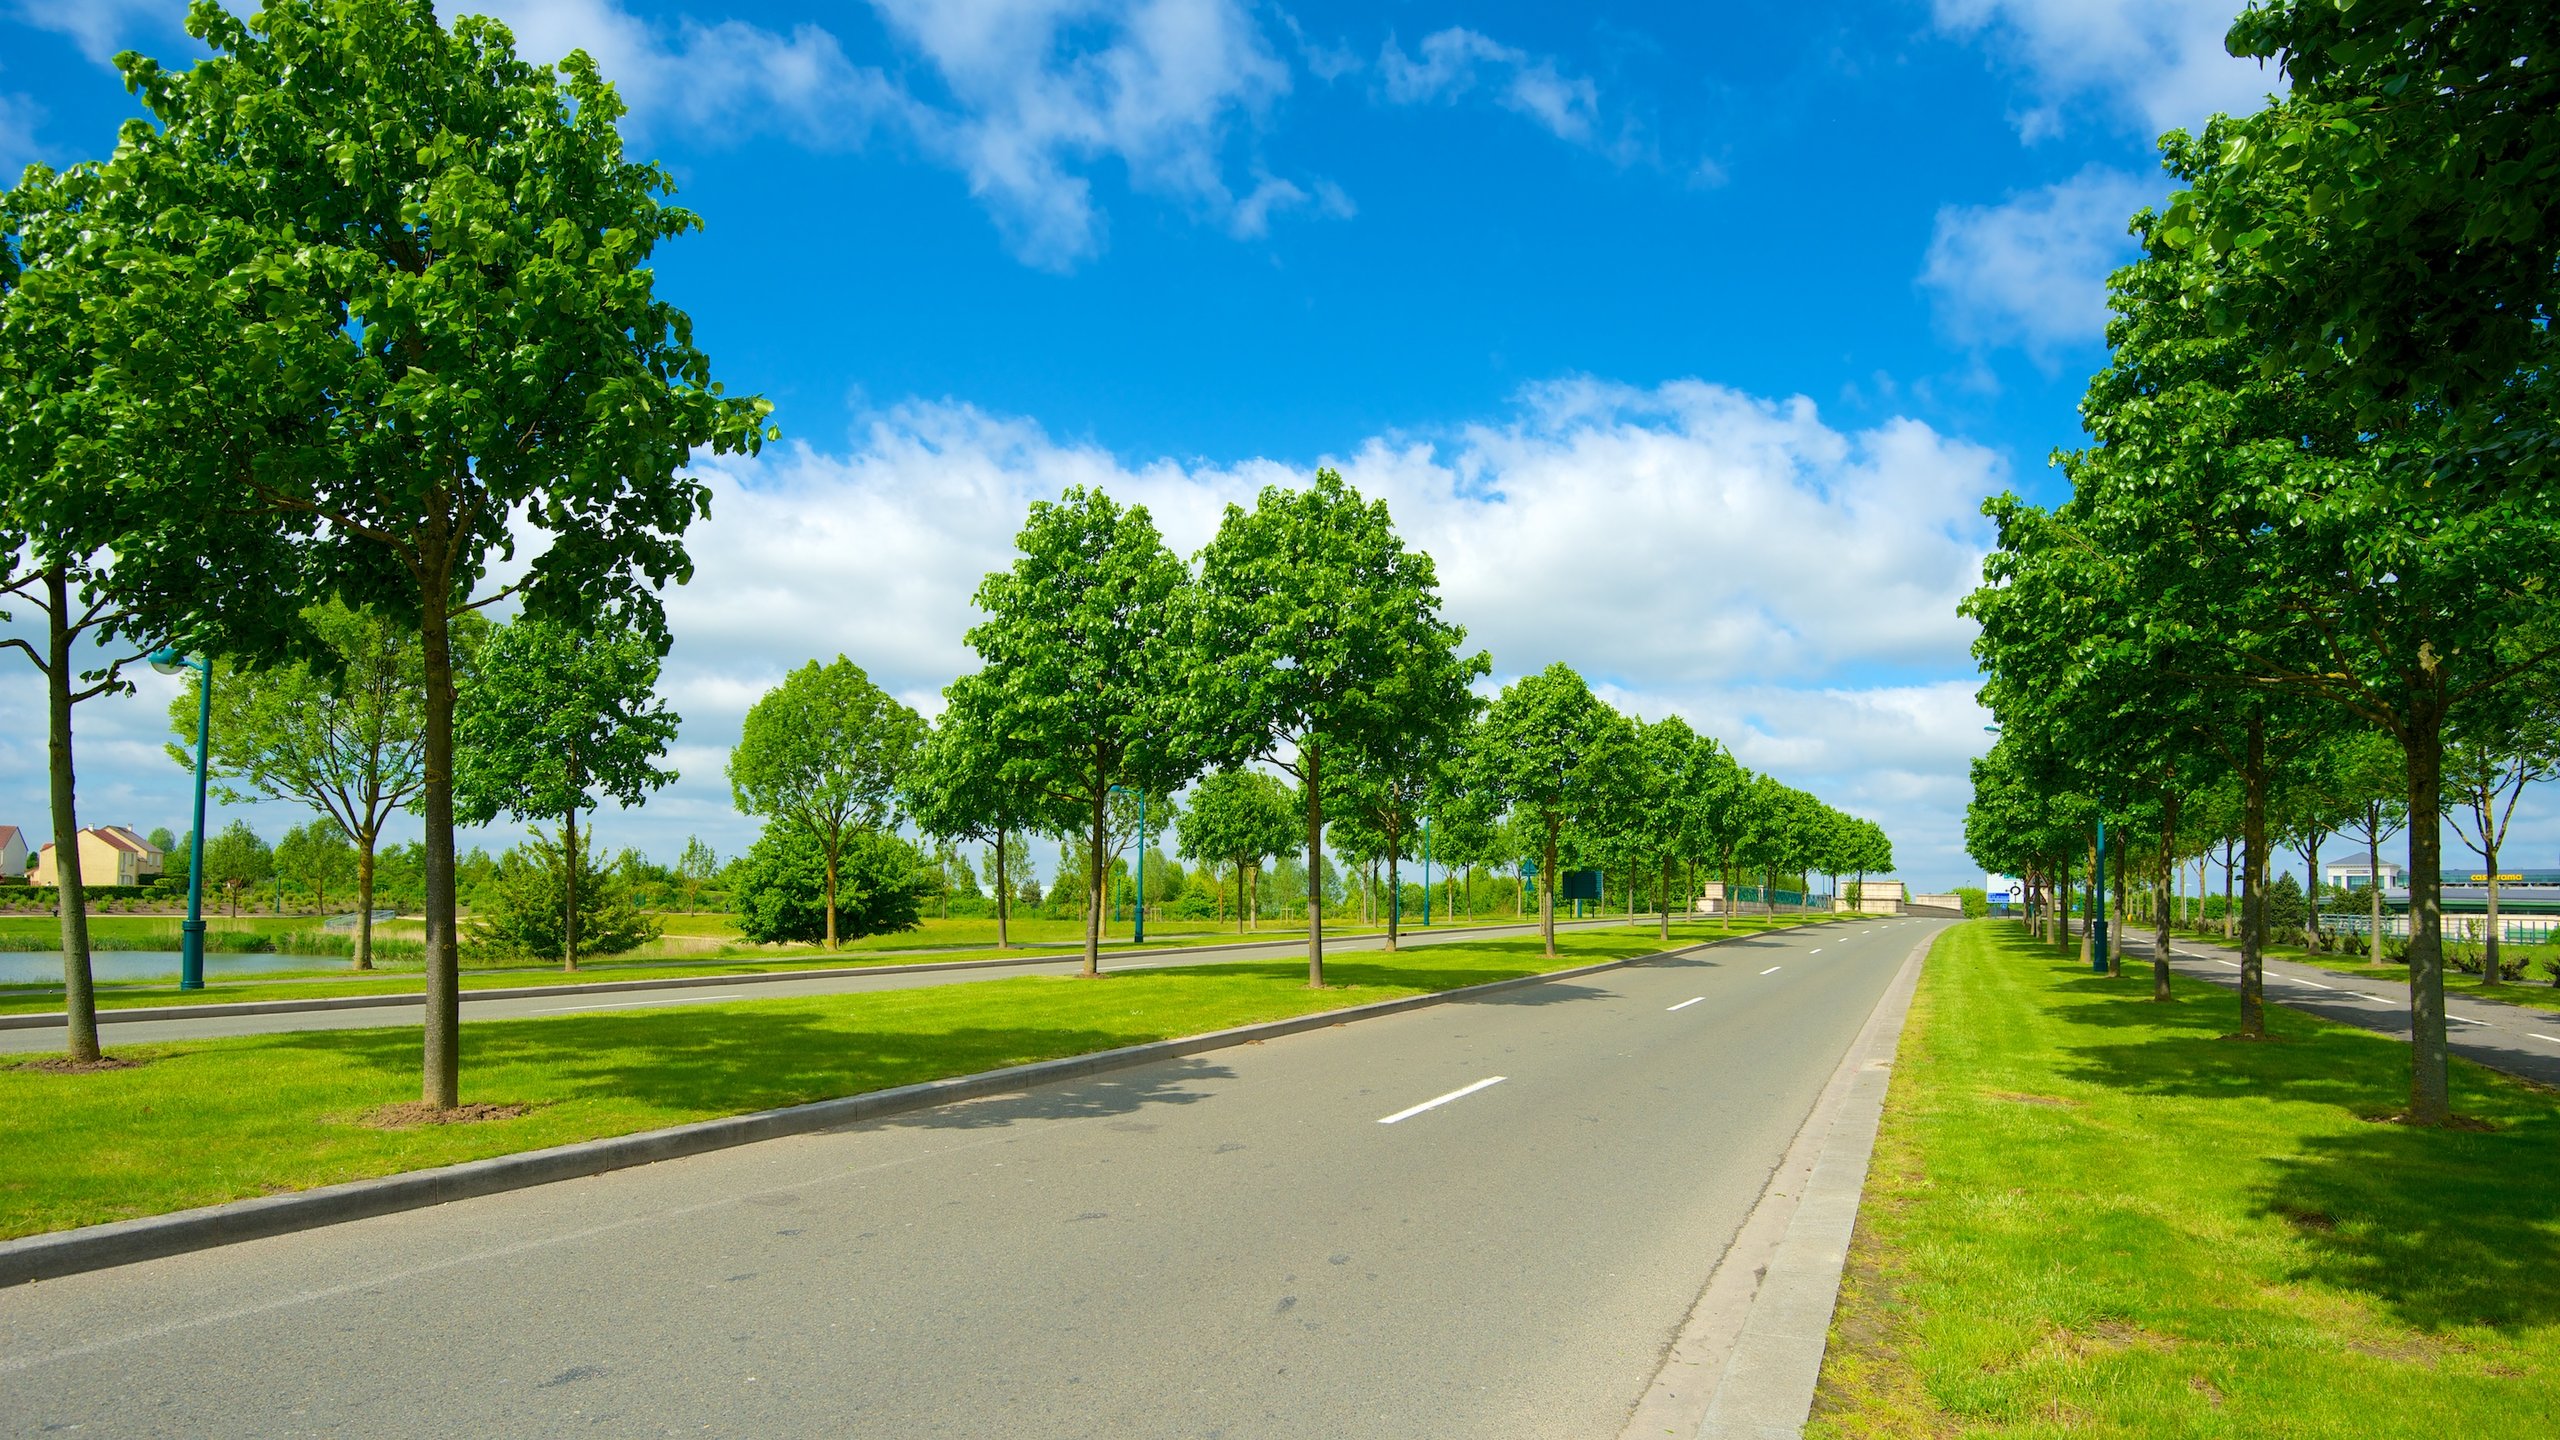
{"points": [[170, 662]]}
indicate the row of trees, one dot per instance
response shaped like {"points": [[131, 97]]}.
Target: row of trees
{"points": [[1298, 677], [2302, 581]]}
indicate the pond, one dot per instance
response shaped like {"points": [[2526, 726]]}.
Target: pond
{"points": [[37, 967]]}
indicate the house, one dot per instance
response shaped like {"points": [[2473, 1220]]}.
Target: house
{"points": [[2357, 874], [109, 855], [13, 853]]}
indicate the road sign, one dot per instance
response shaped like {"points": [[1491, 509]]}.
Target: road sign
{"points": [[1579, 885]]}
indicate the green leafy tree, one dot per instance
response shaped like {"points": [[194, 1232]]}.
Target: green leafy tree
{"points": [[2370, 776], [1317, 632], [1545, 748], [1238, 817], [236, 859], [976, 781], [552, 719], [2488, 768], [547, 902], [343, 732], [315, 857], [440, 341], [826, 752], [698, 866], [1082, 675], [787, 891]]}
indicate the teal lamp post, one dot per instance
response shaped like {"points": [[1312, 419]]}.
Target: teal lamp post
{"points": [[191, 935], [1138, 933]]}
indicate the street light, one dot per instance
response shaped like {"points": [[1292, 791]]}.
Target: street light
{"points": [[1138, 935], [191, 934]]}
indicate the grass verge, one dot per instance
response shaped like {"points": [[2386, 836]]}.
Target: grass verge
{"points": [[205, 1121], [2094, 1215]]}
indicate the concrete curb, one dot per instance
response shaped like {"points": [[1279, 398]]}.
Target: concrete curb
{"points": [[1745, 1364], [54, 1019], [124, 1242]]}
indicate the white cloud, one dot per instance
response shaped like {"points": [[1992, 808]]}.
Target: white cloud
{"points": [[102, 27], [1030, 95], [18, 150], [2032, 271], [1452, 62], [1162, 88], [2159, 62], [1788, 586]]}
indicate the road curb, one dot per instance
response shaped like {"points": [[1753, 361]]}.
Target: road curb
{"points": [[54, 1019], [124, 1242], [1745, 1364]]}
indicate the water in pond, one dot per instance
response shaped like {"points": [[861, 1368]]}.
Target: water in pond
{"points": [[37, 967]]}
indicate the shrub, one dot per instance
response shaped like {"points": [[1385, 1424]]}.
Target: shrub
{"points": [[2287, 912], [517, 914], [780, 887]]}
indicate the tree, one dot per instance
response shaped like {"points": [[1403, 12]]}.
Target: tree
{"points": [[1673, 763], [1315, 631], [698, 866], [316, 856], [1543, 748], [784, 892], [236, 859], [1239, 817], [826, 752], [974, 781], [342, 732], [1082, 673], [441, 340], [2369, 774], [548, 902], [2487, 769], [551, 719]]}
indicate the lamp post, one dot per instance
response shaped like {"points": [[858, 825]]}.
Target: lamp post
{"points": [[1138, 935], [191, 934]]}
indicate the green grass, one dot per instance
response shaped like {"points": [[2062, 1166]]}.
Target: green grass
{"points": [[400, 976], [2093, 1215], [214, 1120]]}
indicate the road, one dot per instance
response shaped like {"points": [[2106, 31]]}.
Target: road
{"points": [[2515, 1038], [1283, 1239], [582, 999]]}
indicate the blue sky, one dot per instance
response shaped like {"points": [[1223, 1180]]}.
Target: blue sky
{"points": [[1688, 337]]}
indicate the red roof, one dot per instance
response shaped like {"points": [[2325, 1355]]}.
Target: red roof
{"points": [[8, 833]]}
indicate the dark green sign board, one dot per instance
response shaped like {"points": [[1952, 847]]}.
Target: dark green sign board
{"points": [[1579, 885]]}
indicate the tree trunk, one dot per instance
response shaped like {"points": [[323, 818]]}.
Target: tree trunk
{"points": [[2089, 908], [1729, 888], [70, 893], [835, 855], [2373, 881], [2311, 889], [1004, 898], [2253, 894], [2123, 916], [1395, 886], [2489, 962], [569, 864], [2430, 1101], [2168, 860], [441, 1052], [1547, 889], [1095, 896], [1315, 867], [2230, 916], [364, 899], [1662, 898]]}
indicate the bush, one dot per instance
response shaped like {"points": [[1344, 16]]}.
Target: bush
{"points": [[1194, 905], [517, 913], [2287, 912], [780, 887]]}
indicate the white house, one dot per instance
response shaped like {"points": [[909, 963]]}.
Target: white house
{"points": [[2356, 874], [13, 853]]}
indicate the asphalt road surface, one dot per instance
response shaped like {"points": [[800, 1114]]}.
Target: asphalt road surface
{"points": [[1484, 1218], [576, 999]]}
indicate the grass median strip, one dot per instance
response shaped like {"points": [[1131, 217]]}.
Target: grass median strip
{"points": [[206, 1121], [2091, 1214]]}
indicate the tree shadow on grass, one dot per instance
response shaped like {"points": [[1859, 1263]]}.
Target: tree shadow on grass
{"points": [[715, 1061], [2442, 1228]]}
